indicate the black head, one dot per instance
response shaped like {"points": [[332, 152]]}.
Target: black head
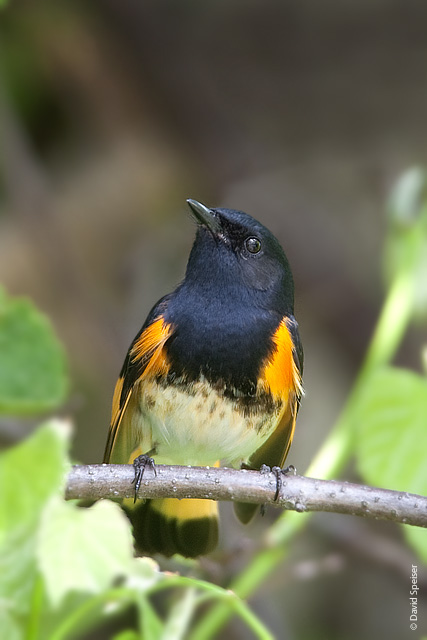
{"points": [[234, 252]]}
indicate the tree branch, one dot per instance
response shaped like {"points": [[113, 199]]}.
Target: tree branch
{"points": [[297, 493]]}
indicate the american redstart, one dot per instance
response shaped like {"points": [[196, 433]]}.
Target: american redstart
{"points": [[214, 376]]}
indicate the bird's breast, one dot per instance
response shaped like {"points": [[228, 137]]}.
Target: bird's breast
{"points": [[195, 423]]}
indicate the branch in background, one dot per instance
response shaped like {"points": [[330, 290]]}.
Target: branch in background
{"points": [[297, 493]]}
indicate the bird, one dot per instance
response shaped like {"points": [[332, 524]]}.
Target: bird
{"points": [[214, 377]]}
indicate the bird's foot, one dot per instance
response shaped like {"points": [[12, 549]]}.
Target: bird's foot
{"points": [[140, 464], [279, 473]]}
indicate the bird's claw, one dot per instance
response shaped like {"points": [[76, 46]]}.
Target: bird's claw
{"points": [[140, 464], [279, 473]]}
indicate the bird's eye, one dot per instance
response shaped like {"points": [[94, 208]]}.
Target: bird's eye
{"points": [[253, 245]]}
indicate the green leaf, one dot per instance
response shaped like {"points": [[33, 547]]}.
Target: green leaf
{"points": [[30, 473], [33, 375], [83, 549], [17, 572], [9, 627], [391, 438]]}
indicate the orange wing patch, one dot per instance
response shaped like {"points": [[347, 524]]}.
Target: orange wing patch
{"points": [[280, 374], [147, 358], [148, 348]]}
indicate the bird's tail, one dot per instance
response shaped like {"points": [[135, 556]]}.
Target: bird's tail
{"points": [[168, 525]]}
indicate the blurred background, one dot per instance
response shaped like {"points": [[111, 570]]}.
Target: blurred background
{"points": [[302, 114]]}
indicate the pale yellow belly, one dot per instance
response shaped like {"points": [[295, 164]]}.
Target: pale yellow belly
{"points": [[201, 427]]}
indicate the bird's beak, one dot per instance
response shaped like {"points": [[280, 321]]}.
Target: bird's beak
{"points": [[204, 215]]}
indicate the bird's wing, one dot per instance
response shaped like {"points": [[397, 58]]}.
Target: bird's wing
{"points": [[146, 357], [275, 450]]}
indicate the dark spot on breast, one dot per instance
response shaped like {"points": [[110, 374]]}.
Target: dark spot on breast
{"points": [[213, 406], [222, 415], [150, 402], [169, 406]]}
